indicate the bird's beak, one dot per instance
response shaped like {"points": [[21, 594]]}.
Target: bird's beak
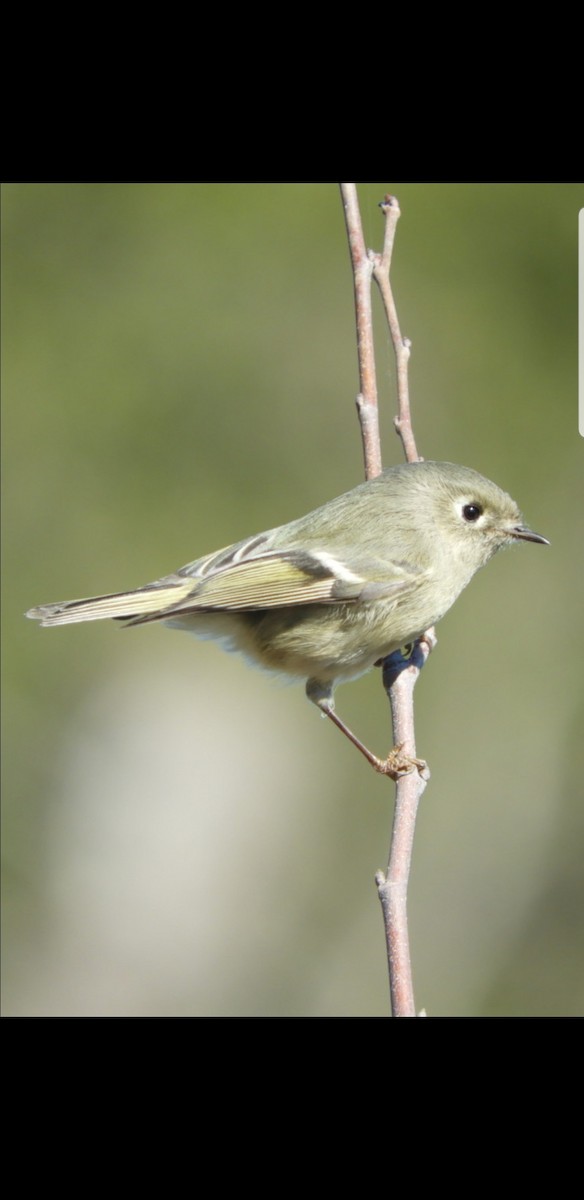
{"points": [[527, 535]]}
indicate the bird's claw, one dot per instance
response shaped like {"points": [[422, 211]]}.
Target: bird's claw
{"points": [[397, 764]]}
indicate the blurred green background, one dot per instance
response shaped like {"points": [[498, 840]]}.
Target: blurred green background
{"points": [[182, 836]]}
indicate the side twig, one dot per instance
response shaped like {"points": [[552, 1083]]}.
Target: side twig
{"points": [[401, 346], [399, 674]]}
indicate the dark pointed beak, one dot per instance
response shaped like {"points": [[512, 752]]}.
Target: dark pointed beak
{"points": [[527, 535]]}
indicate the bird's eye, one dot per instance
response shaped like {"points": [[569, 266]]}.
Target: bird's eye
{"points": [[472, 512]]}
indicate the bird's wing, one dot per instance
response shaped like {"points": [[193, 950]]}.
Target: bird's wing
{"points": [[245, 577], [248, 576]]}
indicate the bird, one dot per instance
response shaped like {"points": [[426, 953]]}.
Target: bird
{"points": [[325, 597]]}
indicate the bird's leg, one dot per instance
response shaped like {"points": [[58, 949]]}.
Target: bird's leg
{"points": [[396, 763]]}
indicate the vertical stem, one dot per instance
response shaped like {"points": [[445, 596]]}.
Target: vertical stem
{"points": [[399, 674]]}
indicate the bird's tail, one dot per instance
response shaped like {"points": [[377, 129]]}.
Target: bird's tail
{"points": [[145, 604]]}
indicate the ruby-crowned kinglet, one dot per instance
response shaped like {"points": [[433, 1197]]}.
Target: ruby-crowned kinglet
{"points": [[327, 596]]}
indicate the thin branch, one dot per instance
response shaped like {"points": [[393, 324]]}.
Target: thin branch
{"points": [[399, 679], [399, 674], [367, 406], [381, 267]]}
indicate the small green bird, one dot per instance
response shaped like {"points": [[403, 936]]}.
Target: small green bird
{"points": [[325, 597]]}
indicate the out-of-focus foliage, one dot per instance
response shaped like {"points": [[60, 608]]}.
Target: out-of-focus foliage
{"points": [[181, 835]]}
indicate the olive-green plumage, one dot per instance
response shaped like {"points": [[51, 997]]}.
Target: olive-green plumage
{"points": [[326, 596]]}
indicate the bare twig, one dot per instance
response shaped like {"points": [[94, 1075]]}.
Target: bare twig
{"points": [[399, 674], [399, 679], [381, 267], [362, 271]]}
